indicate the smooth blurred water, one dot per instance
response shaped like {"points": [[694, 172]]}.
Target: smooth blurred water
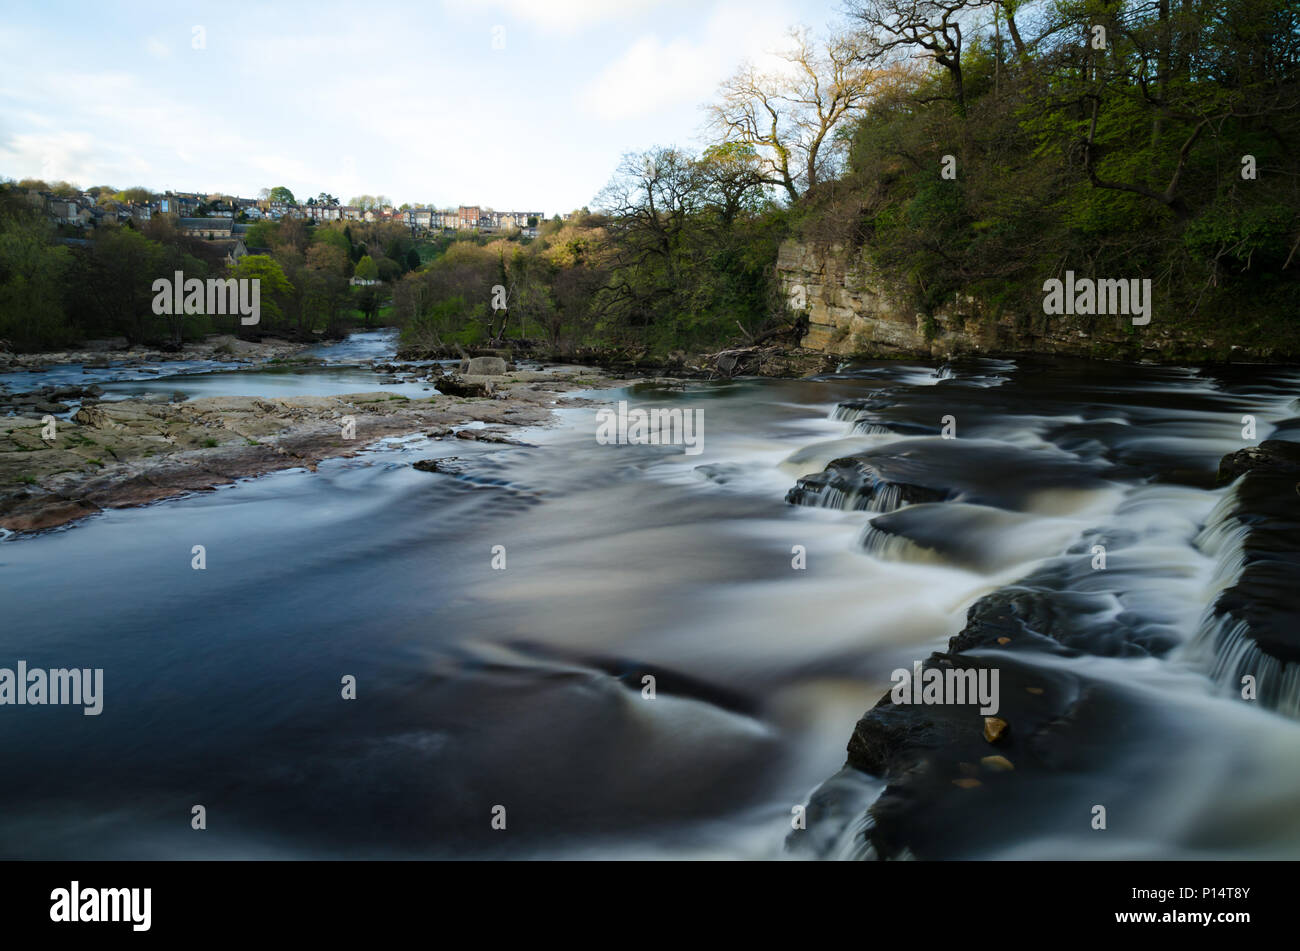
{"points": [[480, 687]]}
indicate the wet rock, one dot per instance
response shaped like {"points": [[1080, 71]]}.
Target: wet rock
{"points": [[449, 385], [1274, 456], [487, 435], [853, 483], [995, 728], [130, 452], [1253, 629], [977, 471]]}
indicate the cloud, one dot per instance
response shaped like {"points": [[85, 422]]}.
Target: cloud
{"points": [[654, 74], [561, 16]]}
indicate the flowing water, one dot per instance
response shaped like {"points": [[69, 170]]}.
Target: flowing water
{"points": [[522, 687]]}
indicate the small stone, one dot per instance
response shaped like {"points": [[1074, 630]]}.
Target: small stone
{"points": [[995, 728], [998, 764], [1036, 691], [1004, 640], [966, 783]]}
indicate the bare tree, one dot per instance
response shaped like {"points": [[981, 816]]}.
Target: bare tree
{"points": [[788, 115], [891, 26]]}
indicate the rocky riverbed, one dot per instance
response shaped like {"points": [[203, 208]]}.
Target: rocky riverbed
{"points": [[135, 451], [222, 348]]}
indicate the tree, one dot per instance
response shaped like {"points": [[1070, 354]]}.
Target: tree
{"points": [[281, 194], [329, 258], [134, 196], [732, 180], [366, 269], [273, 289], [33, 275], [788, 116], [292, 234], [931, 25], [368, 303]]}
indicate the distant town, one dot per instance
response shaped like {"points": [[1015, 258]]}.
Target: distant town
{"points": [[225, 216], [224, 220]]}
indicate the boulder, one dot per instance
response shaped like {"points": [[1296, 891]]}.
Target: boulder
{"points": [[484, 366], [453, 386], [1272, 456]]}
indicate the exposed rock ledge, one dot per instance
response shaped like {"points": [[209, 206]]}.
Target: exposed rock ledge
{"points": [[1067, 741], [113, 455]]}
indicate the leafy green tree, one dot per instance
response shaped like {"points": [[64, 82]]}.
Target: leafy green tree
{"points": [[366, 269], [274, 288], [122, 268], [33, 273]]}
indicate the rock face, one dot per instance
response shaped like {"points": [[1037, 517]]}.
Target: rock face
{"points": [[851, 312]]}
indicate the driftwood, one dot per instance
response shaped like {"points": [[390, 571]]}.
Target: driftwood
{"points": [[751, 357], [742, 360]]}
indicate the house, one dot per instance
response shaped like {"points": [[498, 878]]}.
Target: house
{"points": [[468, 216], [419, 219], [182, 205], [234, 249], [320, 212], [209, 229], [64, 211]]}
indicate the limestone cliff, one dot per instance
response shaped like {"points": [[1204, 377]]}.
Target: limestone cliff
{"points": [[852, 313]]}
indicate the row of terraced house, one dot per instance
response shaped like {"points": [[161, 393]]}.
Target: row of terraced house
{"points": [[423, 219], [85, 211]]}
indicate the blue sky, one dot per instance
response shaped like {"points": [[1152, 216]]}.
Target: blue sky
{"points": [[516, 104]]}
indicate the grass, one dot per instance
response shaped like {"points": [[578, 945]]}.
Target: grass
{"points": [[209, 443]]}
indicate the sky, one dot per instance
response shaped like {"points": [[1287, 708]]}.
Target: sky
{"points": [[513, 104]]}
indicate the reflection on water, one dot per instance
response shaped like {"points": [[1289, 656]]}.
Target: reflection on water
{"points": [[525, 686], [270, 382]]}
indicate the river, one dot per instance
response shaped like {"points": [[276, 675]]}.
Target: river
{"points": [[480, 686]]}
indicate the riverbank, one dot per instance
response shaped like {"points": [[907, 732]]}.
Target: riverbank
{"points": [[136, 451], [101, 354]]}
